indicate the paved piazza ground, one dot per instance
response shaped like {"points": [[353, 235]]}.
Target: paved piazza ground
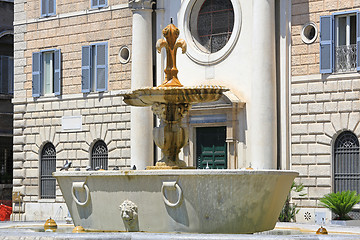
{"points": [[27, 231]]}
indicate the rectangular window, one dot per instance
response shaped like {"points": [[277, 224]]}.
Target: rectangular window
{"points": [[98, 3], [46, 73], [345, 43], [94, 68], [48, 8], [6, 75], [339, 42]]}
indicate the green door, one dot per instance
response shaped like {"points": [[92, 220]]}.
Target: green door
{"points": [[211, 147]]}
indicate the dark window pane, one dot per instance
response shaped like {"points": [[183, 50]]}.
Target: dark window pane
{"points": [[353, 29], [215, 24], [217, 42], [203, 25]]}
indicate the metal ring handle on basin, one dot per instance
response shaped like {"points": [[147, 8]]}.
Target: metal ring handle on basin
{"points": [[172, 185], [80, 185]]}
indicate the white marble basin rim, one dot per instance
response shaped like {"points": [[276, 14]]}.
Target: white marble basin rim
{"points": [[194, 201], [173, 172]]}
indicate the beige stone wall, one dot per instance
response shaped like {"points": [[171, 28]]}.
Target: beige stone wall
{"points": [[71, 33], [32, 7], [322, 106], [305, 57], [37, 121], [105, 118], [320, 111]]}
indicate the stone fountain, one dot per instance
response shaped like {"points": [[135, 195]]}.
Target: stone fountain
{"points": [[171, 197]]}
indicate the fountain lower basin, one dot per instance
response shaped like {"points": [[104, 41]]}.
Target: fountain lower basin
{"points": [[196, 201]]}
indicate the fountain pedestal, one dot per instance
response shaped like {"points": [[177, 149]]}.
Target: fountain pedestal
{"points": [[170, 136]]}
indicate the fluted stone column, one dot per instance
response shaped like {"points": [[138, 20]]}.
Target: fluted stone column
{"points": [[141, 76], [263, 136]]}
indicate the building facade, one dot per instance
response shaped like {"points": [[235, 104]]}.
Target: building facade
{"points": [[325, 104], [72, 60], [6, 94], [291, 68]]}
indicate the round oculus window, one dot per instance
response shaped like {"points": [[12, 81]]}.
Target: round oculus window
{"points": [[211, 28], [309, 33], [214, 25]]}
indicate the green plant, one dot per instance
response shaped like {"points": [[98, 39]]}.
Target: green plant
{"points": [[289, 210], [341, 203]]}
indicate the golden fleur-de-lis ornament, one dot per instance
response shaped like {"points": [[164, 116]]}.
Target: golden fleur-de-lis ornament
{"points": [[171, 33]]}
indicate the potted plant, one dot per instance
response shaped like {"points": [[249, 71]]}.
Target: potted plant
{"points": [[340, 203]]}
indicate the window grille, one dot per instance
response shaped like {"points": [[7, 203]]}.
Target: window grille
{"points": [[345, 58], [48, 166], [215, 24], [346, 163], [345, 43], [99, 156]]}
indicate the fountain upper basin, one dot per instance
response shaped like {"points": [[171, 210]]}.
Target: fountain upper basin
{"points": [[176, 95], [197, 201]]}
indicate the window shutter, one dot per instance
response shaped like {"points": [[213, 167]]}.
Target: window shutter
{"points": [[358, 41], [57, 72], [36, 74], [52, 7], [86, 69], [326, 44], [101, 67], [44, 8]]}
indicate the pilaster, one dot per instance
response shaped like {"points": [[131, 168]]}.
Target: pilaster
{"points": [[263, 136], [141, 76]]}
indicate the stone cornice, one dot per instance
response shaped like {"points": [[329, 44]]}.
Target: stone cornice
{"points": [[140, 4]]}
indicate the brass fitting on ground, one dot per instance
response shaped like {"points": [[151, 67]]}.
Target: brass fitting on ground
{"points": [[322, 230], [78, 229], [50, 225]]}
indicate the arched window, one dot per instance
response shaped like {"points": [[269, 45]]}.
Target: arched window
{"points": [[346, 162], [47, 167], [99, 155]]}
